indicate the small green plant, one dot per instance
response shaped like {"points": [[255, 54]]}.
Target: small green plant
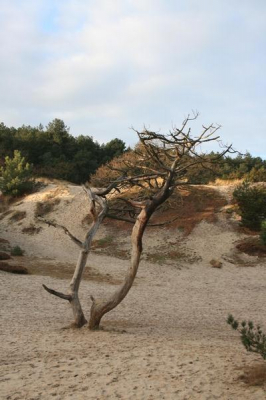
{"points": [[17, 251], [252, 336], [16, 176], [251, 201], [263, 232]]}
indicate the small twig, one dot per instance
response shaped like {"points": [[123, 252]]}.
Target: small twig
{"points": [[168, 222], [136, 204], [120, 218]]}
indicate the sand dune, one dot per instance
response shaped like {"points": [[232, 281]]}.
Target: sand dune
{"points": [[167, 340]]}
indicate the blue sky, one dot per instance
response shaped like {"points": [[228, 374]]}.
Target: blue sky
{"points": [[104, 66]]}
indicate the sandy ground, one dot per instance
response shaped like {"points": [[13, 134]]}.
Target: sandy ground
{"points": [[167, 340]]}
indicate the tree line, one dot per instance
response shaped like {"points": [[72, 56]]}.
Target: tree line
{"points": [[252, 169], [53, 152]]}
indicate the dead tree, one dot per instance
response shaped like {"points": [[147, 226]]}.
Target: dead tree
{"points": [[157, 166]]}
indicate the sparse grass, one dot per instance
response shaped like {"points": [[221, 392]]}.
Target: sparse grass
{"points": [[103, 242], [5, 214], [227, 182], [108, 246], [167, 253], [17, 216], [254, 375], [43, 208], [252, 246], [49, 202], [31, 230], [65, 271], [156, 258]]}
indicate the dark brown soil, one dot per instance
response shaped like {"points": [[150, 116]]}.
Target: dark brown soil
{"points": [[185, 208]]}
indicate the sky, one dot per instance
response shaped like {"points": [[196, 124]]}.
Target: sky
{"points": [[106, 66]]}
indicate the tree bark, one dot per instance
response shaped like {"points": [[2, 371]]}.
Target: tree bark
{"points": [[72, 296], [100, 306], [79, 318]]}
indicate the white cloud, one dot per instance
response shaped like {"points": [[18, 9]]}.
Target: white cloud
{"points": [[104, 66]]}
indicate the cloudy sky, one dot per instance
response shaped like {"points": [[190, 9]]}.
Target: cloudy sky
{"points": [[104, 66]]}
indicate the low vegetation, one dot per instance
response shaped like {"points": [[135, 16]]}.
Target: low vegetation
{"points": [[16, 176], [252, 337], [263, 232], [253, 246], [251, 201], [49, 202], [17, 216], [45, 207], [17, 251], [254, 375], [31, 229]]}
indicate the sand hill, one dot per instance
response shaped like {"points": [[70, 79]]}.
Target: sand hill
{"points": [[167, 340]]}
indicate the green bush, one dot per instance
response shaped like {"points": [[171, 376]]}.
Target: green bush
{"points": [[252, 205], [252, 337], [17, 251], [263, 232], [16, 176], [257, 174]]}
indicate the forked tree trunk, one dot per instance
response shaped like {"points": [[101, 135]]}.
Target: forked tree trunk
{"points": [[102, 306]]}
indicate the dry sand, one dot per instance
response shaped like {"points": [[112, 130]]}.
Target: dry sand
{"points": [[167, 340]]}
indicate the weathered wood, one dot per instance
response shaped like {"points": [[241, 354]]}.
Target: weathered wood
{"points": [[72, 296], [100, 307], [58, 294]]}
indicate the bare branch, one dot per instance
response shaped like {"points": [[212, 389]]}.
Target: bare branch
{"points": [[56, 225], [131, 221], [137, 204], [58, 294], [168, 222]]}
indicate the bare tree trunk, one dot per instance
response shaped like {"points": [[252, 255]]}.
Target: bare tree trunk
{"points": [[72, 296], [100, 307], [79, 318]]}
